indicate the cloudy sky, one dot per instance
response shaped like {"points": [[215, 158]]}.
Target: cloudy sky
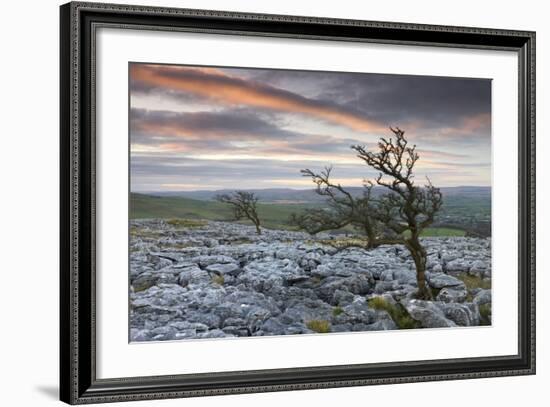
{"points": [[197, 127]]}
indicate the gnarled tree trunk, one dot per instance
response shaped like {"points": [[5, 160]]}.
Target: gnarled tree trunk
{"points": [[371, 236], [257, 224], [420, 258]]}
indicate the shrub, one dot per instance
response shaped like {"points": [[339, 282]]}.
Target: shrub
{"points": [[397, 312], [319, 325]]}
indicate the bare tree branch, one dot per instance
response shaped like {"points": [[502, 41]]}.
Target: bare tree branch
{"points": [[343, 208]]}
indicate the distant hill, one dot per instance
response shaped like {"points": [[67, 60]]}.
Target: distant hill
{"points": [[466, 209], [149, 206], [289, 195]]}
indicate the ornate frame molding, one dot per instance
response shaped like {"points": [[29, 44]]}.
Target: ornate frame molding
{"points": [[79, 21]]}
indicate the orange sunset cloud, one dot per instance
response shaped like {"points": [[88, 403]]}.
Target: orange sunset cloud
{"points": [[227, 90]]}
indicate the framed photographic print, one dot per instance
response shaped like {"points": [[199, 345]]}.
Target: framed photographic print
{"points": [[255, 203]]}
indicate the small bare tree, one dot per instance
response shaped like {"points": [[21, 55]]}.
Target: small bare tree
{"points": [[244, 205], [343, 208]]}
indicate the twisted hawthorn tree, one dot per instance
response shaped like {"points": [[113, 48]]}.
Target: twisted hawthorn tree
{"points": [[396, 217], [407, 209], [244, 205]]}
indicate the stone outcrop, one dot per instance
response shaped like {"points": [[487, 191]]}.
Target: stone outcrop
{"points": [[224, 280]]}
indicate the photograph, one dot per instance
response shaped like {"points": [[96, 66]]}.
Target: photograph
{"points": [[267, 202], [271, 200]]}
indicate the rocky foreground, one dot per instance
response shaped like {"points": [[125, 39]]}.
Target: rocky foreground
{"points": [[194, 279]]}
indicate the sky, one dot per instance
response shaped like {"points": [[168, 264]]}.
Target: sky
{"points": [[210, 128]]}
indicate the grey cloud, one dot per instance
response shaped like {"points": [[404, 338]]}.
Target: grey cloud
{"points": [[238, 121], [232, 169], [218, 130], [391, 99]]}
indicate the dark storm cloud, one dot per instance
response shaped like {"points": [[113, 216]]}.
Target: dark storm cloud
{"points": [[393, 99], [432, 101]]}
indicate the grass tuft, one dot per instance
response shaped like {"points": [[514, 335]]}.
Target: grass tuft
{"points": [[218, 280], [319, 325], [186, 223], [144, 233], [485, 313], [337, 311], [344, 242], [397, 312], [472, 282]]}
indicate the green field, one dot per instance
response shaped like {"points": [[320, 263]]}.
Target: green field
{"points": [[442, 232], [145, 206], [274, 216]]}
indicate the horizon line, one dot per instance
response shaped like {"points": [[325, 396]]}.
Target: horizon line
{"points": [[280, 188]]}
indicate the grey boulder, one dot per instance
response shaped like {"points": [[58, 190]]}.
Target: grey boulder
{"points": [[428, 314]]}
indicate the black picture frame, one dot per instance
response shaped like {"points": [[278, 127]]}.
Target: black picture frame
{"points": [[78, 382]]}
